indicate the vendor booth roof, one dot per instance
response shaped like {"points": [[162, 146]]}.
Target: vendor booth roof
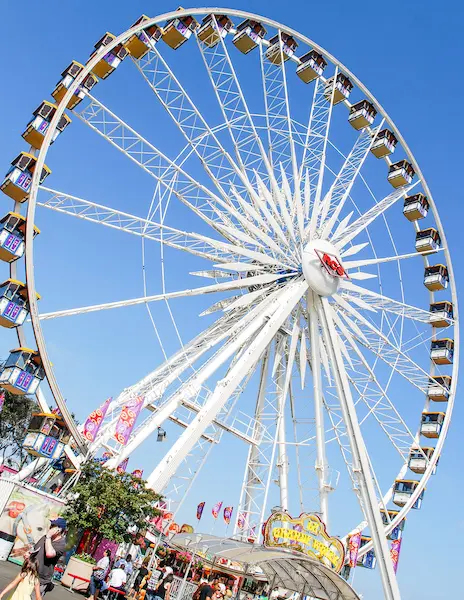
{"points": [[290, 570]]}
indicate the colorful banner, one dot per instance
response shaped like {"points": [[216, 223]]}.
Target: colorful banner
{"points": [[127, 419], [216, 509], [200, 508], [306, 534], [241, 520], [354, 541], [121, 468], [228, 513], [137, 473], [395, 553], [94, 421], [2, 400], [186, 528], [174, 527]]}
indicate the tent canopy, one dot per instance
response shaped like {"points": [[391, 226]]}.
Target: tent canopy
{"points": [[282, 568]]}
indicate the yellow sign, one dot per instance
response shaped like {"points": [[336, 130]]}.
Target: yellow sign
{"points": [[306, 534]]}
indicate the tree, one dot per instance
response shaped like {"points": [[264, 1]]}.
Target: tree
{"points": [[14, 421], [110, 503]]}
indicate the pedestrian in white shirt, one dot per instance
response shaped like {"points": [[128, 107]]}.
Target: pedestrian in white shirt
{"points": [[117, 578], [99, 573]]}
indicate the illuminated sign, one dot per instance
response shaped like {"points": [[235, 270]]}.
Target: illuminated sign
{"points": [[332, 265], [306, 534]]}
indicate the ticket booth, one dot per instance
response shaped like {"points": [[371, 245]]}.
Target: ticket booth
{"points": [[403, 489], [111, 60], [432, 424], [281, 48], [343, 87], [18, 180], [384, 144], [22, 371], [428, 240], [441, 313], [415, 207], [397, 532], [178, 30], [311, 66], [36, 129], [441, 351], [67, 78], [12, 236], [213, 28], [249, 35], [419, 459], [439, 388], [436, 277], [400, 173], [140, 43], [46, 435], [14, 305], [362, 114]]}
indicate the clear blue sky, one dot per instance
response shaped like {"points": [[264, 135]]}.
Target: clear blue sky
{"points": [[409, 56]]}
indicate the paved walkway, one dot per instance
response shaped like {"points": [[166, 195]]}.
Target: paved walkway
{"points": [[8, 572]]}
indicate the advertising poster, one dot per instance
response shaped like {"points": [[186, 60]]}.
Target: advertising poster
{"points": [[27, 516]]}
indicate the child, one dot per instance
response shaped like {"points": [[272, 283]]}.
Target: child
{"points": [[27, 581]]}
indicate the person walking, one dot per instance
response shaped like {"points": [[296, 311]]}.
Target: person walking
{"points": [[141, 575], [49, 549], [117, 579], [25, 582], [163, 590], [128, 564], [99, 572]]}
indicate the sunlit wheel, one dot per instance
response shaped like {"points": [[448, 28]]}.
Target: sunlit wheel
{"points": [[323, 280]]}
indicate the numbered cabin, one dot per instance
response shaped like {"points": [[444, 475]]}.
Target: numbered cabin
{"points": [[178, 30], [281, 48], [111, 60], [67, 78], [12, 236], [384, 144], [441, 314], [140, 43], [36, 129], [441, 351], [428, 240], [439, 388], [432, 424], [419, 459], [46, 435], [436, 277], [213, 28], [362, 114], [342, 91], [400, 173], [14, 305], [403, 489], [22, 371], [368, 560], [17, 182], [249, 35], [311, 66], [387, 517], [415, 207]]}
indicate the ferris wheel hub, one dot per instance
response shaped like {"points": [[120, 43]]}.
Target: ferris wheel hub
{"points": [[322, 267]]}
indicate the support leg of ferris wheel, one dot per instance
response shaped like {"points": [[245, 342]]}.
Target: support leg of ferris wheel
{"points": [[282, 459], [321, 460], [361, 465]]}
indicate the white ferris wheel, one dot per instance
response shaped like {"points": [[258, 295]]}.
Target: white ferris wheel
{"points": [[328, 338]]}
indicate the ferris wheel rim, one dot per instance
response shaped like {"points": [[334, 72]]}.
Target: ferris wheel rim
{"points": [[243, 14]]}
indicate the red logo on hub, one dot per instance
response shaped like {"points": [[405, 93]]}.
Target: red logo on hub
{"points": [[332, 265]]}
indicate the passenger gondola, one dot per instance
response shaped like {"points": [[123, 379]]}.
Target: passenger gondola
{"points": [[22, 371], [36, 129], [12, 236], [415, 207], [249, 35], [140, 43]]}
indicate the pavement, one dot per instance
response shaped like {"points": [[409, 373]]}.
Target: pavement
{"points": [[8, 572]]}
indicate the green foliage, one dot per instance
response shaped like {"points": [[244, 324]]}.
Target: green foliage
{"points": [[85, 558], [109, 503], [14, 420]]}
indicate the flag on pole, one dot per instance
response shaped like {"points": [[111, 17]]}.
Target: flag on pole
{"points": [[241, 520], [94, 421], [395, 553], [228, 513], [200, 508], [354, 541], [127, 419], [2, 400], [216, 509], [121, 468]]}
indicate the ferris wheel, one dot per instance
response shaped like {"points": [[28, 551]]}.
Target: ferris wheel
{"points": [[333, 317]]}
